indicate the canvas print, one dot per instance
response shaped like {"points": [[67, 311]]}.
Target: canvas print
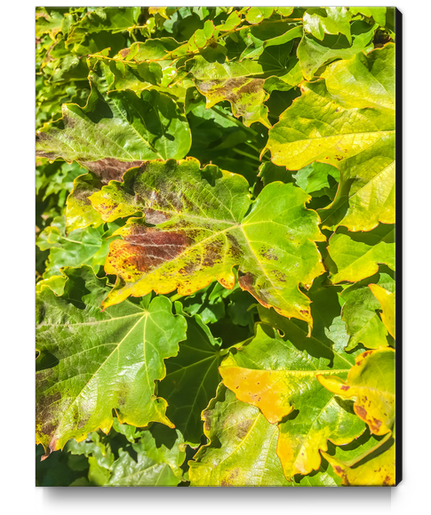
{"points": [[215, 230]]}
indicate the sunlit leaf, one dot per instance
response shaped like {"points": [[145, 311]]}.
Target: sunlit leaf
{"points": [[279, 376], [372, 382], [356, 256], [202, 231], [91, 362], [387, 302]]}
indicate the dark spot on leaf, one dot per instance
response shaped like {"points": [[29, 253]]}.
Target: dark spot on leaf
{"points": [[375, 424], [345, 387], [146, 248], [109, 169], [243, 428], [361, 412]]}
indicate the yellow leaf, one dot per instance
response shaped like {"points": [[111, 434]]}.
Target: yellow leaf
{"points": [[372, 382], [387, 301]]}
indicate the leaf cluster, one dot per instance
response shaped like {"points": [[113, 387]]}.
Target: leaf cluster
{"points": [[215, 228]]}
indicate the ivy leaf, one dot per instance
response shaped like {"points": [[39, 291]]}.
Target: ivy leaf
{"points": [[242, 448], [387, 301], [375, 468], [279, 376], [191, 379], [202, 231], [83, 351], [372, 382], [359, 311], [116, 131], [356, 256]]}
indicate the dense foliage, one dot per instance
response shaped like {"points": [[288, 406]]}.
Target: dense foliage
{"points": [[216, 249]]}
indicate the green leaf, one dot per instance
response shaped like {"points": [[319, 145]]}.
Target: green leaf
{"points": [[116, 131], [279, 376], [84, 351], [355, 256], [242, 448], [111, 19], [191, 380], [328, 20], [377, 13], [202, 232], [258, 14], [359, 311], [314, 53], [347, 120], [318, 179], [152, 463], [80, 247], [372, 382]]}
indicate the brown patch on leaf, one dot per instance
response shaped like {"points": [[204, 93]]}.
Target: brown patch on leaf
{"points": [[109, 169], [361, 411], [147, 248], [243, 428], [375, 425], [345, 387]]}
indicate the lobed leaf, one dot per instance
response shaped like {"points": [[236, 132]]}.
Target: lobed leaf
{"points": [[203, 230], [279, 376], [351, 127], [91, 362], [359, 311], [116, 131]]}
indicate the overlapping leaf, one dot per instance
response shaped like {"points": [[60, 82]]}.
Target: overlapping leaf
{"points": [[191, 380], [279, 376], [203, 231], [376, 467], [91, 362], [356, 256], [387, 302], [347, 120], [372, 382], [242, 448], [359, 312], [116, 131]]}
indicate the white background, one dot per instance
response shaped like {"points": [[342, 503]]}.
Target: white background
{"points": [[17, 306]]}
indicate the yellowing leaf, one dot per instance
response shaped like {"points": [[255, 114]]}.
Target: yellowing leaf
{"points": [[375, 468], [347, 120], [246, 96], [246, 455], [387, 301], [357, 256], [202, 230], [279, 377], [372, 382]]}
